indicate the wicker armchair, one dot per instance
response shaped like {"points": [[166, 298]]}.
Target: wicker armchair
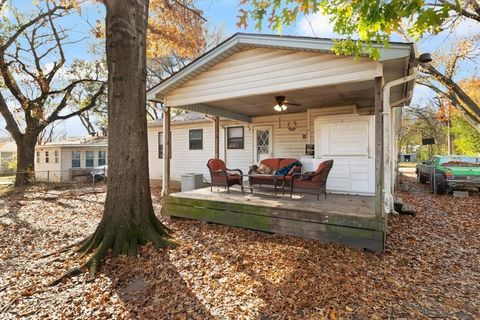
{"points": [[221, 176], [312, 183]]}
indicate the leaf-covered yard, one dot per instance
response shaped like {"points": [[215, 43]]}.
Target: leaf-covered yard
{"points": [[431, 268]]}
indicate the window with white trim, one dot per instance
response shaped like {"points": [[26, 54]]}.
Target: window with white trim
{"points": [[75, 159], [89, 159], [235, 138], [102, 158], [196, 139]]}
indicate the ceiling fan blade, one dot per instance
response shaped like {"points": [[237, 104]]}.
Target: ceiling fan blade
{"points": [[292, 103]]}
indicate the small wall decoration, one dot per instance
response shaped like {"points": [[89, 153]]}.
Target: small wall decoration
{"points": [[292, 125], [309, 149]]}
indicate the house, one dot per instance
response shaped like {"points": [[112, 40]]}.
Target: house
{"points": [[8, 154], [66, 160], [338, 108]]}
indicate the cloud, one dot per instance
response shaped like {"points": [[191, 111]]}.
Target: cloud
{"points": [[316, 25]]}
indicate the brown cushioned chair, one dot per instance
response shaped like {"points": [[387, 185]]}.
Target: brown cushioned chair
{"points": [[275, 164], [222, 177], [312, 183]]}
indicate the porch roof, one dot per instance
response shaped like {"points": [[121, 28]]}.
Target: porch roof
{"points": [[294, 69]]}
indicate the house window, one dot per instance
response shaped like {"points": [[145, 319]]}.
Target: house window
{"points": [[56, 156], [38, 156], [47, 159], [90, 155], [160, 145], [235, 139], [196, 139], [75, 159], [102, 158]]}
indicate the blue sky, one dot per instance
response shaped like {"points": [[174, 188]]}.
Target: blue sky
{"points": [[222, 13]]}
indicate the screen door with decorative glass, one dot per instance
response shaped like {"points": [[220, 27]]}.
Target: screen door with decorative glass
{"points": [[263, 143]]}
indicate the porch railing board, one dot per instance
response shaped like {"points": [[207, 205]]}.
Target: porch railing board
{"points": [[325, 217], [274, 220]]}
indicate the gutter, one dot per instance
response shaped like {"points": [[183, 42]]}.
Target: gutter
{"points": [[389, 137]]}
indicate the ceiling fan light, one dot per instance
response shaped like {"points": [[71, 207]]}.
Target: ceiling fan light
{"points": [[284, 107], [278, 108]]}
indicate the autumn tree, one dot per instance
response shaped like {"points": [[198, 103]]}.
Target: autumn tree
{"points": [[440, 76], [364, 23], [128, 219], [36, 86]]}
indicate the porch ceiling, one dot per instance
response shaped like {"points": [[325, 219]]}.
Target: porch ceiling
{"points": [[358, 93]]}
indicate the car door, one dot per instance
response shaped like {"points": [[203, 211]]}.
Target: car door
{"points": [[427, 168]]}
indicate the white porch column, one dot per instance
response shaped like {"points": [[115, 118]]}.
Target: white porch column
{"points": [[217, 136], [167, 151]]}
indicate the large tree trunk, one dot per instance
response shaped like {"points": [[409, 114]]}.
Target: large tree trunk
{"points": [[25, 159], [128, 219]]}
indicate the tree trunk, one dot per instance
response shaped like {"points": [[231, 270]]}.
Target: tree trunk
{"points": [[25, 159], [128, 219]]}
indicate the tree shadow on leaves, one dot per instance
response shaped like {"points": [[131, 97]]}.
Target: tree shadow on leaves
{"points": [[151, 287]]}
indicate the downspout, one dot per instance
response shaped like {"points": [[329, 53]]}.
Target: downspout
{"points": [[389, 137]]}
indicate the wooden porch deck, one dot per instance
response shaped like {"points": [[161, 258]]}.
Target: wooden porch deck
{"points": [[346, 219]]}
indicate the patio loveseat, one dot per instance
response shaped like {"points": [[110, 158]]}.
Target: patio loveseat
{"points": [[291, 166]]}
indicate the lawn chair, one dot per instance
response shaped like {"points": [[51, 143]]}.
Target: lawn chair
{"points": [[221, 176], [312, 183]]}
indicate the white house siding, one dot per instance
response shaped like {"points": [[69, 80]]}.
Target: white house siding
{"points": [[237, 158], [50, 171], [183, 160], [263, 70]]}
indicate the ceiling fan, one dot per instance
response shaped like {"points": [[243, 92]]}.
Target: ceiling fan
{"points": [[282, 104]]}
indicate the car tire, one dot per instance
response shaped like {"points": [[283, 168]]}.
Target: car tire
{"points": [[420, 178], [439, 185]]}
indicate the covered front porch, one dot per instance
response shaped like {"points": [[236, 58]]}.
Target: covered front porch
{"points": [[346, 219], [340, 106]]}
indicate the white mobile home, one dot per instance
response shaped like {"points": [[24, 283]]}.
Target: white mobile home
{"points": [[8, 154], [67, 160], [279, 96]]}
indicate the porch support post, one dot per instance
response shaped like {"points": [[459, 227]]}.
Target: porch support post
{"points": [[217, 136], [379, 161], [167, 151]]}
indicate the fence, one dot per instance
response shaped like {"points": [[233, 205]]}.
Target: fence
{"points": [[80, 175]]}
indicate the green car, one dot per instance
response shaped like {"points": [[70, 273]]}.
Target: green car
{"points": [[448, 173]]}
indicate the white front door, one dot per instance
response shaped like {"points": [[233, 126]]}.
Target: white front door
{"points": [[263, 143]]}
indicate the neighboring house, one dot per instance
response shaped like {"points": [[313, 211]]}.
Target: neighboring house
{"points": [[340, 108], [8, 154], [65, 160]]}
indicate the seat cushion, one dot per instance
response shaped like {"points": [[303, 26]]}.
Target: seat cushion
{"points": [[305, 184], [286, 162], [233, 178]]}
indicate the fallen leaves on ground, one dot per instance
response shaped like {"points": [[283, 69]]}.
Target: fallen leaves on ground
{"points": [[431, 268]]}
